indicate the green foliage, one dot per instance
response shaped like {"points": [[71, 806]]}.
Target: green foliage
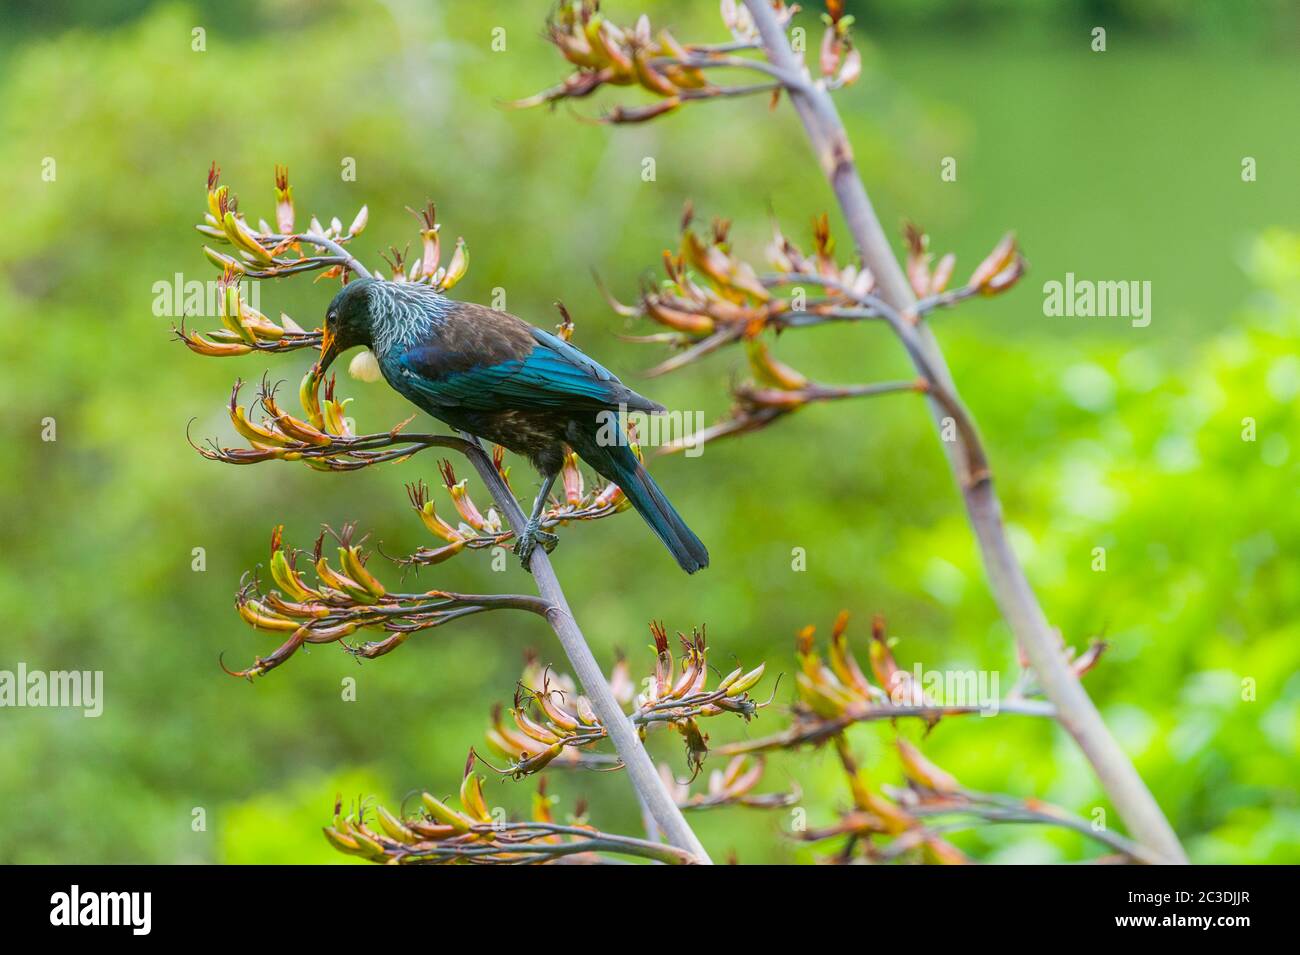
{"points": [[1146, 458], [284, 827], [1100, 435]]}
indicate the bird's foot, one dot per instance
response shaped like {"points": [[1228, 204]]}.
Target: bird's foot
{"points": [[530, 538]]}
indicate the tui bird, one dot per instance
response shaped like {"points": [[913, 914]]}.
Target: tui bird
{"points": [[484, 371]]}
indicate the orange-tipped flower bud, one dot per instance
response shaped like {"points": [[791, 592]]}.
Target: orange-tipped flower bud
{"points": [[283, 201], [572, 478], [1000, 258], [920, 770]]}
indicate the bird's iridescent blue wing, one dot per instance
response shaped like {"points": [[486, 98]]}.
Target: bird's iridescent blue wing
{"points": [[526, 367]]}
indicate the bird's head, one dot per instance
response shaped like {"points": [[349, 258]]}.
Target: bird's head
{"points": [[347, 322]]}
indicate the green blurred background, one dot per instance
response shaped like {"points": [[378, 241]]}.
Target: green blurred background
{"points": [[1117, 165]]}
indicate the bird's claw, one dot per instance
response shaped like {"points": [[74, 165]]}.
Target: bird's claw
{"points": [[528, 541]]}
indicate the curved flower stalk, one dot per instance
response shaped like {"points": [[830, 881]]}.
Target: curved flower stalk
{"points": [[893, 824], [778, 390], [731, 786], [672, 73], [277, 252], [710, 298], [266, 252], [551, 720], [508, 739], [473, 835], [346, 599], [323, 437], [835, 692], [245, 329]]}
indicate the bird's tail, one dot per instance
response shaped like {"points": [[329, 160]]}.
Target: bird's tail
{"points": [[617, 463]]}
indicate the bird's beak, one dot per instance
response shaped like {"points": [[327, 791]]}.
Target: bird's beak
{"points": [[328, 352]]}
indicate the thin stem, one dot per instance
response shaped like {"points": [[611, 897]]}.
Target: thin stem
{"points": [[343, 255], [814, 732], [528, 840], [704, 346], [873, 389], [640, 770], [1011, 589], [705, 62], [733, 46], [725, 92], [998, 808], [988, 808]]}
